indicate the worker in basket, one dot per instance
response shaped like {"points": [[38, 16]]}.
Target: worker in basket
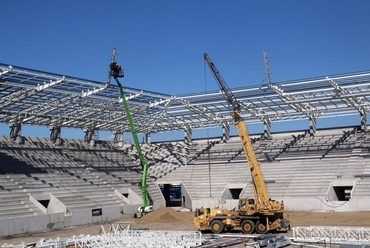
{"points": [[116, 69]]}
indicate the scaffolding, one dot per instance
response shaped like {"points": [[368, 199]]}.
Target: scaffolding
{"points": [[331, 234]]}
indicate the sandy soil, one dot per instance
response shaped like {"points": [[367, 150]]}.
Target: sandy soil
{"points": [[169, 219]]}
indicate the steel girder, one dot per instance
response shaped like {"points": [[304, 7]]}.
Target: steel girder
{"points": [[331, 234], [40, 98]]}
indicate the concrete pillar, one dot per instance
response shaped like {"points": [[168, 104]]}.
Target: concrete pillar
{"points": [[89, 136], [363, 120], [16, 131], [312, 125], [118, 138], [188, 135], [55, 134], [266, 129], [147, 138], [225, 132]]}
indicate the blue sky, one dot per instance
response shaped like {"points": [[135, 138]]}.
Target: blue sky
{"points": [[161, 43]]}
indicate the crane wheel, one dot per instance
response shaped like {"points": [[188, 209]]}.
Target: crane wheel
{"points": [[247, 226], [261, 227], [217, 226]]}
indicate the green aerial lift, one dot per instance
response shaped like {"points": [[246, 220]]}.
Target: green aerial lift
{"points": [[116, 72]]}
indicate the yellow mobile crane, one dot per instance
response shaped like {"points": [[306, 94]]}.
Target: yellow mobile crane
{"points": [[260, 214]]}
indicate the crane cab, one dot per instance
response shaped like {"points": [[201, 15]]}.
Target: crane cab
{"points": [[202, 218], [247, 206]]}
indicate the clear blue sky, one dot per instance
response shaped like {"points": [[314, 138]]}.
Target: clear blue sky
{"points": [[161, 43]]}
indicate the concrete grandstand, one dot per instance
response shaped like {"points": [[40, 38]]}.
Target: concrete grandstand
{"points": [[54, 182]]}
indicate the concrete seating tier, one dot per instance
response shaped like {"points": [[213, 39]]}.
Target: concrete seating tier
{"points": [[16, 204], [67, 172], [295, 163], [362, 189], [298, 163]]}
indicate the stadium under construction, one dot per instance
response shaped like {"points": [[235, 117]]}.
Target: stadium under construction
{"points": [[55, 182]]}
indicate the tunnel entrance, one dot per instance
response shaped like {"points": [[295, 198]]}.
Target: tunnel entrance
{"points": [[172, 194]]}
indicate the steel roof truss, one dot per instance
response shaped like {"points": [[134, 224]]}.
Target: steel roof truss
{"points": [[40, 87], [58, 103], [160, 115], [306, 109], [131, 96], [27, 92], [203, 111], [347, 96], [6, 70]]}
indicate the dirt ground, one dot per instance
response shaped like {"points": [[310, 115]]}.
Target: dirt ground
{"points": [[169, 219]]}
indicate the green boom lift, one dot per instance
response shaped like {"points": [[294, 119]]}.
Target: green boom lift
{"points": [[116, 72]]}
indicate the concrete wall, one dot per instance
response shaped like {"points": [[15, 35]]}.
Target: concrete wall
{"points": [[185, 196], [309, 204], [56, 206], [205, 203], [55, 221], [48, 222], [320, 204], [155, 196], [226, 194], [31, 224]]}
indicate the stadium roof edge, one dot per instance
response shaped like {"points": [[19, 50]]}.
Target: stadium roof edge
{"points": [[36, 97]]}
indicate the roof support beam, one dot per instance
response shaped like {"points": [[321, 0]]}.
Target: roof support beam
{"points": [[24, 93], [258, 113], [347, 96], [44, 108], [351, 100], [160, 115], [40, 87], [6, 70], [108, 122], [131, 96], [205, 112], [307, 109]]}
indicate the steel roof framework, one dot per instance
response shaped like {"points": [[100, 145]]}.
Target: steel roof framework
{"points": [[48, 99]]}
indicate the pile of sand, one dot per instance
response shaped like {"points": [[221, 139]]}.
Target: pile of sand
{"points": [[166, 215]]}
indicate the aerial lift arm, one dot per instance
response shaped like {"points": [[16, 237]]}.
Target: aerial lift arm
{"points": [[137, 144], [115, 72], [260, 189]]}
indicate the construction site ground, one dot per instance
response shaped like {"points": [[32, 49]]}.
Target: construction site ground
{"points": [[171, 219]]}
